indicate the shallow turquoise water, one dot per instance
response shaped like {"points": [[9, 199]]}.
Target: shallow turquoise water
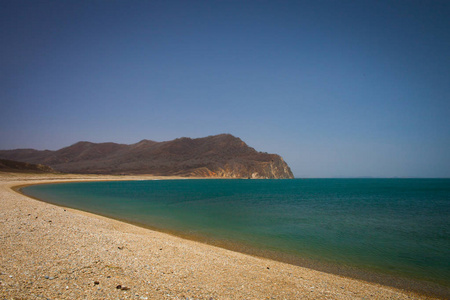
{"points": [[390, 226]]}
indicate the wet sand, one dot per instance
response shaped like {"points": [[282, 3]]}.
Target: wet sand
{"points": [[52, 252]]}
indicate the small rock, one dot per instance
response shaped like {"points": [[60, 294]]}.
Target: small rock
{"points": [[160, 249], [268, 268], [120, 248], [108, 276], [118, 287], [96, 282], [46, 277], [124, 288]]}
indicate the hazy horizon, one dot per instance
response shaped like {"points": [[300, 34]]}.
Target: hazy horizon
{"points": [[337, 88], [295, 177]]}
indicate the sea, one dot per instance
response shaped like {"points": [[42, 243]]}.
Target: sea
{"points": [[391, 231]]}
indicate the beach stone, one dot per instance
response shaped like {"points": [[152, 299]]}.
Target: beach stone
{"points": [[118, 287], [96, 282]]}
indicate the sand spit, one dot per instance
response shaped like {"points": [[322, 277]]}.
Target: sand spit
{"points": [[51, 252]]}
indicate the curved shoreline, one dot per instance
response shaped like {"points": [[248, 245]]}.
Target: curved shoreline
{"points": [[189, 240], [421, 287]]}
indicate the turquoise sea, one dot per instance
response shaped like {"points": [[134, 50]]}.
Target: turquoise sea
{"points": [[394, 231]]}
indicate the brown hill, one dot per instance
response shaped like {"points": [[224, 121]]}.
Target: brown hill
{"points": [[22, 167], [213, 156]]}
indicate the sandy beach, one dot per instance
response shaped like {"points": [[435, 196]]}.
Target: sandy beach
{"points": [[52, 252]]}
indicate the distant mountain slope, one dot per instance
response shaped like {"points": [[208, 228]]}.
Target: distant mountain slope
{"points": [[214, 156], [22, 167]]}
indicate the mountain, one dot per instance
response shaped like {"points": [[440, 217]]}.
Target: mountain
{"points": [[22, 167], [214, 156]]}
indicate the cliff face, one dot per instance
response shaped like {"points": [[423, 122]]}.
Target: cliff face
{"points": [[214, 156], [274, 169]]}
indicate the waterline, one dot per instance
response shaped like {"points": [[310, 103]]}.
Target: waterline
{"points": [[381, 227]]}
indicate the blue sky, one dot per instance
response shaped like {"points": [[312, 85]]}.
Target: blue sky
{"points": [[338, 88]]}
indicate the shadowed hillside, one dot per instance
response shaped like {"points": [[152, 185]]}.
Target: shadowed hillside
{"points": [[22, 167], [213, 156]]}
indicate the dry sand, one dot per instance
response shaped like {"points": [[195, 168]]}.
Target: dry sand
{"points": [[51, 252]]}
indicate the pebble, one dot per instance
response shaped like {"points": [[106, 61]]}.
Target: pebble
{"points": [[96, 282]]}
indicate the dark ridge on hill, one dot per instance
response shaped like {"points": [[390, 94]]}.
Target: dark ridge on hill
{"points": [[214, 156], [22, 167]]}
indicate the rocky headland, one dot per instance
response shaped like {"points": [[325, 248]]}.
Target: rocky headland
{"points": [[221, 156]]}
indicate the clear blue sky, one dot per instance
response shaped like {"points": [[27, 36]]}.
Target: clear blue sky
{"points": [[338, 88]]}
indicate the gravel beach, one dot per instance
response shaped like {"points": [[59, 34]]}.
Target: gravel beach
{"points": [[51, 252]]}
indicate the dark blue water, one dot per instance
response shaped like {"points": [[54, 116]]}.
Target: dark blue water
{"points": [[399, 227]]}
